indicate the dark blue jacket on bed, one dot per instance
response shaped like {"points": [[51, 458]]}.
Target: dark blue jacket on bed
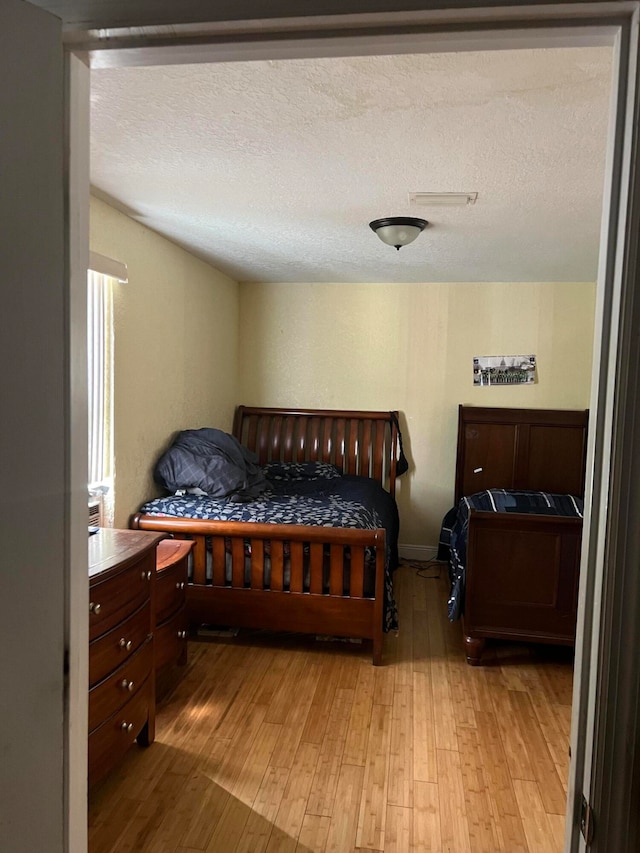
{"points": [[210, 462]]}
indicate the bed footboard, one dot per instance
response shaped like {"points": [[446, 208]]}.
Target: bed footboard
{"points": [[521, 579], [283, 577]]}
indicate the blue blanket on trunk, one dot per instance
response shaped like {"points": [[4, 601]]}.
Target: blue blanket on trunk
{"points": [[453, 533]]}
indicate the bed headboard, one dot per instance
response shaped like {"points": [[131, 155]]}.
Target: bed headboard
{"points": [[363, 443], [538, 449]]}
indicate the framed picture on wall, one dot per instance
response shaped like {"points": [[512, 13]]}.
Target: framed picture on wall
{"points": [[504, 370]]}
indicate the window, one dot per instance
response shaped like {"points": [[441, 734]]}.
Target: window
{"points": [[100, 364], [102, 277]]}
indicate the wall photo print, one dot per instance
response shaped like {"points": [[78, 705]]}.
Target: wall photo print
{"points": [[504, 370]]}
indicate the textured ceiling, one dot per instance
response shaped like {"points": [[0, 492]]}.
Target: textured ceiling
{"points": [[272, 170]]}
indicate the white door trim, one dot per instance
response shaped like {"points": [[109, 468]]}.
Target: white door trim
{"points": [[477, 27], [77, 84]]}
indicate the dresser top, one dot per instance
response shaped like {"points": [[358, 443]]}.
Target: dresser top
{"points": [[170, 551], [116, 549]]}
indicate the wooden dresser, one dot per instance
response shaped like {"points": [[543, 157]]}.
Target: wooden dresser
{"points": [[171, 609], [121, 645]]}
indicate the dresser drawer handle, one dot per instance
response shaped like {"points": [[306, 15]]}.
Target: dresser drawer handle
{"points": [[126, 727], [182, 635], [146, 576], [125, 644], [95, 608], [180, 585], [126, 685]]}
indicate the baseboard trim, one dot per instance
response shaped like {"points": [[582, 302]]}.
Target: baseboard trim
{"points": [[418, 552]]}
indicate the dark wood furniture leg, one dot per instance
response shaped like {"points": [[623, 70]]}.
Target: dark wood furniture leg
{"points": [[147, 734], [474, 646]]}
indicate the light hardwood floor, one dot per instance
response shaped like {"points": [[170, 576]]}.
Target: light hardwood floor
{"points": [[281, 744]]}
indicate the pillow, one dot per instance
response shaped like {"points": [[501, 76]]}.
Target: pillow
{"points": [[291, 471]]}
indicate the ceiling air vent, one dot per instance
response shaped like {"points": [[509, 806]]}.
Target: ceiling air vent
{"points": [[442, 199]]}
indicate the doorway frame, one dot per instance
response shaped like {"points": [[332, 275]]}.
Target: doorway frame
{"points": [[609, 591]]}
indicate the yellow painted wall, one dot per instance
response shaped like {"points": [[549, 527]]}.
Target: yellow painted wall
{"points": [[410, 347], [190, 344], [176, 342]]}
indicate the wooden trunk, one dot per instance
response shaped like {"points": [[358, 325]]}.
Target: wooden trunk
{"points": [[522, 571]]}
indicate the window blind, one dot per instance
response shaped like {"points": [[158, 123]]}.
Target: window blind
{"points": [[100, 378]]}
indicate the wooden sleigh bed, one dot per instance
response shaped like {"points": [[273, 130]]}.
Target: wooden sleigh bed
{"points": [[319, 578], [522, 570]]}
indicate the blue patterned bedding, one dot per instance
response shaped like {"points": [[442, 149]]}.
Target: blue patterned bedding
{"points": [[321, 500], [453, 533], [325, 510]]}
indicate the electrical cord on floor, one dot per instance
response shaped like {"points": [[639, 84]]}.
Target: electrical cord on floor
{"points": [[433, 567]]}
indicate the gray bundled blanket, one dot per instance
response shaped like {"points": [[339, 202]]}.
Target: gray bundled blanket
{"points": [[210, 462]]}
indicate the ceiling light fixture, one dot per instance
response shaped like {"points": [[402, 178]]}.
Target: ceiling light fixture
{"points": [[398, 231]]}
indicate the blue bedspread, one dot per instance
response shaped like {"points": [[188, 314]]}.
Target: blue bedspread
{"points": [[453, 533], [337, 501]]}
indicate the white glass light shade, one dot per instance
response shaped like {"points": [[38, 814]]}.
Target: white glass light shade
{"points": [[398, 231], [398, 235]]}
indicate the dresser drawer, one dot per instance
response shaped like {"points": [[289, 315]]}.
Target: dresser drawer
{"points": [[171, 638], [113, 648], [116, 690], [109, 742], [114, 599], [170, 590]]}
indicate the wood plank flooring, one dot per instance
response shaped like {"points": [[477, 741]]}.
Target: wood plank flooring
{"points": [[273, 744]]}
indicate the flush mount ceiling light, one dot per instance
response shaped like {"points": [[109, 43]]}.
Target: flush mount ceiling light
{"points": [[398, 231]]}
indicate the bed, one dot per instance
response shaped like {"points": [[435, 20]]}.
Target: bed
{"points": [[308, 578], [520, 478]]}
